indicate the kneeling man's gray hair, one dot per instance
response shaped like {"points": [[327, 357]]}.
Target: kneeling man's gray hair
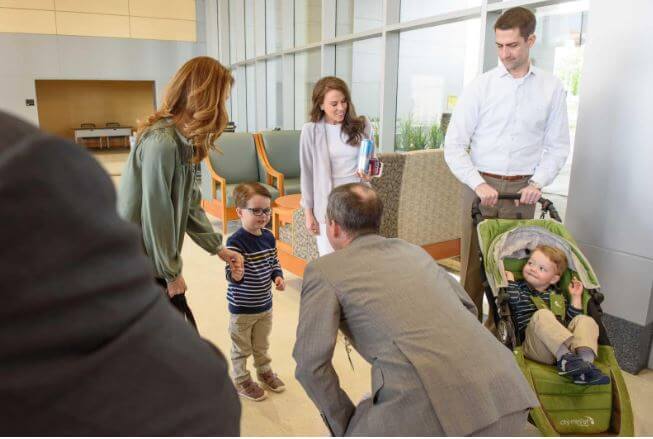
{"points": [[356, 208]]}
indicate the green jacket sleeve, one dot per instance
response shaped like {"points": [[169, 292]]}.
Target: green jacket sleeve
{"points": [[158, 161], [199, 227]]}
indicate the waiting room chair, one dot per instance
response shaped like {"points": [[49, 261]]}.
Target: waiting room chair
{"points": [[236, 161], [279, 153]]}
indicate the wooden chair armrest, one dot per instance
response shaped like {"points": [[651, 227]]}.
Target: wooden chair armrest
{"points": [[215, 180], [271, 172]]}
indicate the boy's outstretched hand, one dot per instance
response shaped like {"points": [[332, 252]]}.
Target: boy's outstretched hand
{"points": [[279, 283], [576, 293]]}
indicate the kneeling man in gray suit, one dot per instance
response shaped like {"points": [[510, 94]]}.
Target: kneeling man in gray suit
{"points": [[435, 369]]}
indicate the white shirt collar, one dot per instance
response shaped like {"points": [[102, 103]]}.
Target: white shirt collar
{"points": [[502, 71]]}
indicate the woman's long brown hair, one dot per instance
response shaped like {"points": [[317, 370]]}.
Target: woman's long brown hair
{"points": [[195, 100], [353, 126]]}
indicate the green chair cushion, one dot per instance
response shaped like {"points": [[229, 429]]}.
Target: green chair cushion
{"points": [[230, 189], [282, 148], [291, 186], [238, 161]]}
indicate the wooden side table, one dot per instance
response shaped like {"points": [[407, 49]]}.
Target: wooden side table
{"points": [[282, 213], [282, 210]]}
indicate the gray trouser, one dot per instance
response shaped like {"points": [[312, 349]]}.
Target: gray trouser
{"points": [[470, 266], [249, 335]]}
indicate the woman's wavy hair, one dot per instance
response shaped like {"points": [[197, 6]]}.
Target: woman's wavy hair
{"points": [[195, 100], [353, 126]]}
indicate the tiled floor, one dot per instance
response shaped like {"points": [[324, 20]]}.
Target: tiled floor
{"points": [[291, 413]]}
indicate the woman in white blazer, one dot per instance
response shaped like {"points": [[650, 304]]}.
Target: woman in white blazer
{"points": [[328, 152]]}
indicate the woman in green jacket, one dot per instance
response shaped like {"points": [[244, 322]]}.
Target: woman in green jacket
{"points": [[158, 190]]}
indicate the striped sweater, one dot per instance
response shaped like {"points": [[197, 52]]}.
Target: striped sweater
{"points": [[253, 293], [523, 308]]}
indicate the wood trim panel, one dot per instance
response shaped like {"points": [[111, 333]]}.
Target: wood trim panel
{"points": [[442, 250]]}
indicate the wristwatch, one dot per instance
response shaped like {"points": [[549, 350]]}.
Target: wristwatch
{"points": [[535, 184]]}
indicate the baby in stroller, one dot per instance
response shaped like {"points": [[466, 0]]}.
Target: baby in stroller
{"points": [[553, 332]]}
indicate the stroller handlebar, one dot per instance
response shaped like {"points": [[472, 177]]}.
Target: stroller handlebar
{"points": [[509, 196], [547, 207]]}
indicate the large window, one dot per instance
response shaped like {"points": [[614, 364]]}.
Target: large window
{"points": [[405, 76], [434, 65], [251, 97], [274, 25], [561, 36], [249, 29], [237, 30], [414, 9], [358, 15], [239, 100], [307, 73], [308, 22], [359, 64], [274, 70]]}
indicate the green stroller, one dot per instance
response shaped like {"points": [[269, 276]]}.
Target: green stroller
{"points": [[565, 408]]}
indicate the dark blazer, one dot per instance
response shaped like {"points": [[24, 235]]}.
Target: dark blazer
{"points": [[435, 369], [89, 345]]}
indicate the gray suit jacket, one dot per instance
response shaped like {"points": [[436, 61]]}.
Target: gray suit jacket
{"points": [[435, 369]]}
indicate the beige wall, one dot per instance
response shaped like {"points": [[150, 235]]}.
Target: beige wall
{"points": [[143, 19], [65, 105]]}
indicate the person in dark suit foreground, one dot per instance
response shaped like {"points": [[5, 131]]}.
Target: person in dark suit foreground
{"points": [[89, 345]]}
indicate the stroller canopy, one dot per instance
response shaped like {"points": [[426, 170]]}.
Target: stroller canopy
{"points": [[500, 239]]}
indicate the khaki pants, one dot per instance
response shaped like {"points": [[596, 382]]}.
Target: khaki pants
{"points": [[470, 267], [545, 334], [249, 335]]}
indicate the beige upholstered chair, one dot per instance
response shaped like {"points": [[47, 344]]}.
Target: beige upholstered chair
{"points": [[430, 204], [422, 204]]}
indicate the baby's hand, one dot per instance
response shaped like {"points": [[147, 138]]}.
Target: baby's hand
{"points": [[575, 288], [509, 276], [280, 283]]}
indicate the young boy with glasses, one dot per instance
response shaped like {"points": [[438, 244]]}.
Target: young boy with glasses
{"points": [[250, 291]]}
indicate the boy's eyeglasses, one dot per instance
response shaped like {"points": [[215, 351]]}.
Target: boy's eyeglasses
{"points": [[257, 211]]}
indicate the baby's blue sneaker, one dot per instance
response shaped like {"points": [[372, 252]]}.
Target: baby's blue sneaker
{"points": [[594, 377], [572, 364]]}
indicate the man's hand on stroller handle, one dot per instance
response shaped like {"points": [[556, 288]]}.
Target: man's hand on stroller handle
{"points": [[529, 195], [488, 195]]}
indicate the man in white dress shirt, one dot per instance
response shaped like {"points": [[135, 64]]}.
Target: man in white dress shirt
{"points": [[509, 134]]}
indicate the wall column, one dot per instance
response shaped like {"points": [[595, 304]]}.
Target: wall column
{"points": [[610, 209]]}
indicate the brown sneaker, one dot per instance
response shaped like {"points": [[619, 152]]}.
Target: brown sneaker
{"points": [[270, 380], [250, 390]]}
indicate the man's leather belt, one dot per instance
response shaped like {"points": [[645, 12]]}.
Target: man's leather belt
{"points": [[505, 177]]}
